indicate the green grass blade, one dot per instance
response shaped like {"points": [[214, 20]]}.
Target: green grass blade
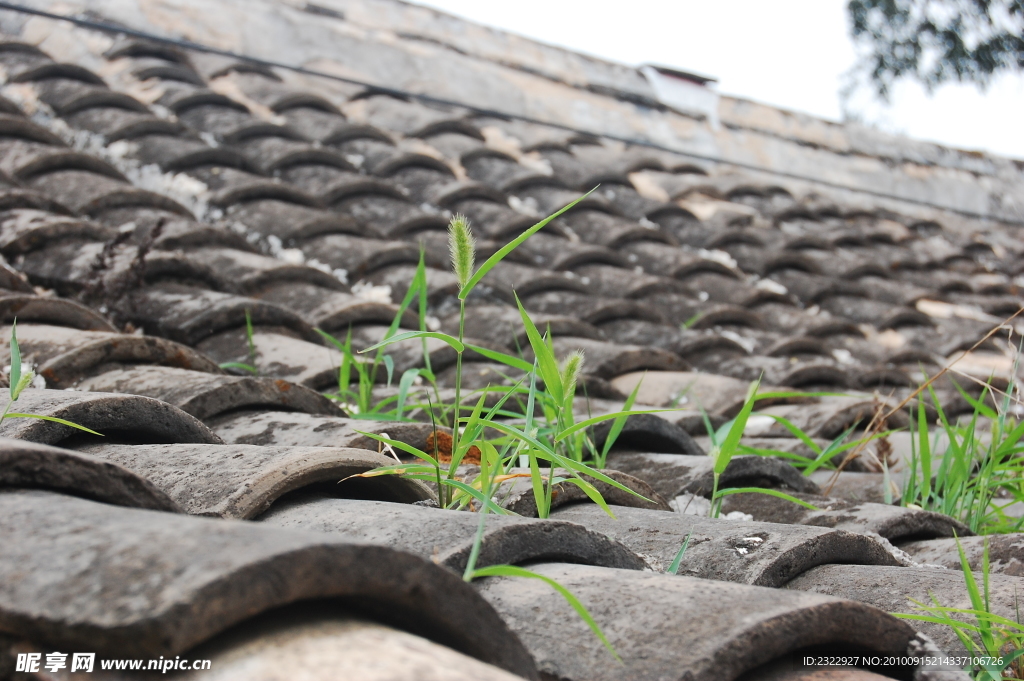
{"points": [[582, 425], [531, 399], [55, 420], [511, 246], [825, 455], [673, 569], [978, 406], [1008, 445], [496, 410], [395, 469], [466, 440], [736, 430], [579, 467], [591, 492], [795, 459], [924, 452], [769, 492], [409, 449], [692, 320], [15, 360], [522, 435], [404, 385], [248, 336], [977, 600], [581, 610], [239, 365], [419, 282], [501, 357], [791, 393], [540, 498], [450, 340], [476, 494], [740, 423], [548, 454], [797, 433], [620, 421], [331, 339], [546, 363], [707, 424]]}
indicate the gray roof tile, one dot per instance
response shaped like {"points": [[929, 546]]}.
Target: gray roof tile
{"points": [[210, 575]]}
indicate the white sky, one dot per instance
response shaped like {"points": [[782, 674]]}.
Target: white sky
{"points": [[789, 53]]}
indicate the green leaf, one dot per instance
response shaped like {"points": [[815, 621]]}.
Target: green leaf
{"points": [[708, 426], [977, 601], [476, 494], [466, 440], [583, 468], [626, 413], [404, 384], [395, 469], [925, 453], [796, 431], [401, 445], [979, 406], [740, 424], [769, 492], [673, 569], [389, 364], [795, 459], [546, 363], [450, 340], [475, 428], [239, 365], [825, 456], [501, 357], [248, 336], [778, 395], [540, 498], [590, 491], [545, 452], [511, 246], [15, 361], [728, 449], [581, 610], [620, 421], [55, 420], [332, 340]]}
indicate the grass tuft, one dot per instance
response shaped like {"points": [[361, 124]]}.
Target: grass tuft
{"points": [[21, 380], [997, 642]]}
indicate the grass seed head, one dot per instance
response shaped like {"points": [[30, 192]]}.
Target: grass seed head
{"points": [[462, 247], [571, 368]]}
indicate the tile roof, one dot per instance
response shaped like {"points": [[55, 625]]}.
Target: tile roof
{"points": [[155, 201]]}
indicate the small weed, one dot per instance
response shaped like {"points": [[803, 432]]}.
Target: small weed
{"points": [[673, 569], [725, 444], [490, 467], [560, 442], [359, 403], [989, 636], [556, 442], [688, 324], [20, 381], [251, 347], [977, 477], [823, 456]]}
